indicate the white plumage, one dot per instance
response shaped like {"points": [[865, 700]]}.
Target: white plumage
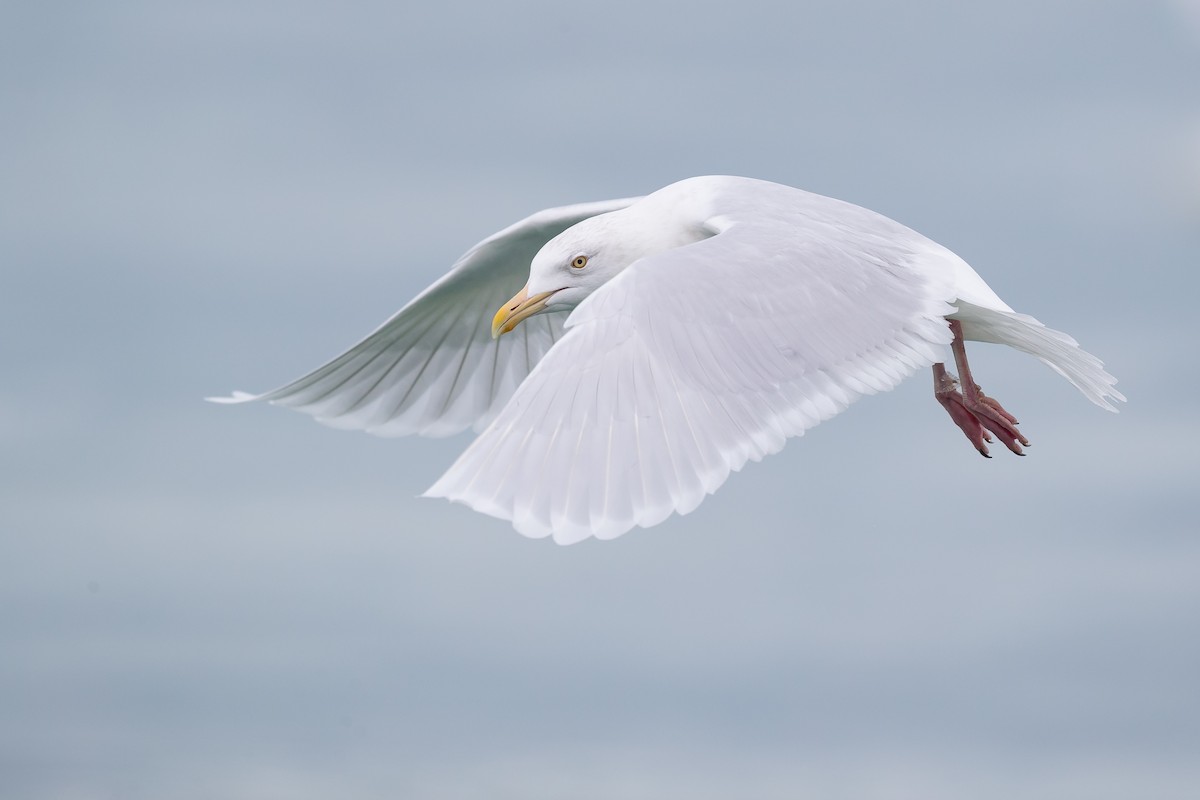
{"points": [[712, 320]]}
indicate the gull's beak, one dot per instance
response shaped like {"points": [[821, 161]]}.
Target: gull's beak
{"points": [[518, 308]]}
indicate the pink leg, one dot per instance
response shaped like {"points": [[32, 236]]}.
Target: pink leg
{"points": [[973, 411]]}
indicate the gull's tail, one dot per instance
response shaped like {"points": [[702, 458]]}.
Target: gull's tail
{"points": [[1056, 349]]}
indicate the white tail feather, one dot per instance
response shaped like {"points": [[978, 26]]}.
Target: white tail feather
{"points": [[1054, 348]]}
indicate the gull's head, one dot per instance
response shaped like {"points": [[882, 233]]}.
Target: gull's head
{"points": [[569, 267]]}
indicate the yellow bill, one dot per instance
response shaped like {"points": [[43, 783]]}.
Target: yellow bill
{"points": [[520, 307]]}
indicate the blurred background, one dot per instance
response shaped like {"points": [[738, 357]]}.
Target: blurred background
{"points": [[201, 601]]}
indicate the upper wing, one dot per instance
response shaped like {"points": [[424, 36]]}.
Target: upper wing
{"points": [[433, 368], [694, 361]]}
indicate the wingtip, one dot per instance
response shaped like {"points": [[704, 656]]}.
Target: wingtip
{"points": [[234, 397]]}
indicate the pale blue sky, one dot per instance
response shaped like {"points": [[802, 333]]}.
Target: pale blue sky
{"points": [[203, 602]]}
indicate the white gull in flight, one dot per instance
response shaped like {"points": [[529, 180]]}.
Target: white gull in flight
{"points": [[660, 343]]}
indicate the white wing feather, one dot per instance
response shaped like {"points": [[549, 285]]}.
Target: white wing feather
{"points": [[694, 361], [433, 368]]}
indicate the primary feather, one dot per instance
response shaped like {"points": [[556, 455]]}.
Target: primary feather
{"points": [[433, 368]]}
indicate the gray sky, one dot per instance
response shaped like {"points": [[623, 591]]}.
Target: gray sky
{"points": [[204, 602]]}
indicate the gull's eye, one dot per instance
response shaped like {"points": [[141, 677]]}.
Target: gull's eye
{"points": [[579, 262]]}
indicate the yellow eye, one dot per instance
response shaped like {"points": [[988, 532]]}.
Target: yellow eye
{"points": [[580, 262]]}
